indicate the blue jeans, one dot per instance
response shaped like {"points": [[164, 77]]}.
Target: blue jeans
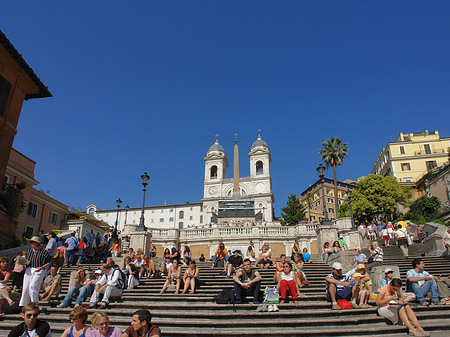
{"points": [[423, 290], [69, 256], [82, 293], [215, 258]]}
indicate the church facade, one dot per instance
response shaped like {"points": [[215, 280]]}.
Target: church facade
{"points": [[220, 192]]}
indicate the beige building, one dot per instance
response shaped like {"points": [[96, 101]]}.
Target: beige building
{"points": [[312, 198], [412, 156]]}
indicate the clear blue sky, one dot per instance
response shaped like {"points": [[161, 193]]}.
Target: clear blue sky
{"points": [[145, 85]]}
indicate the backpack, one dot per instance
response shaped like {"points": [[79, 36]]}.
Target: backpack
{"points": [[226, 296], [271, 295], [344, 304], [122, 279]]}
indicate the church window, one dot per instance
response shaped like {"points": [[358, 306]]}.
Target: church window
{"points": [[213, 174], [259, 167], [91, 212], [181, 215]]}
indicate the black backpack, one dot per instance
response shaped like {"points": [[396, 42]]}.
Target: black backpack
{"points": [[226, 296]]}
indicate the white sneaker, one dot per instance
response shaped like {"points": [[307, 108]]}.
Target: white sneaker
{"points": [[275, 308], [61, 305], [270, 308]]}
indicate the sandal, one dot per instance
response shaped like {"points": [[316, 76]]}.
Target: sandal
{"points": [[415, 332], [423, 332]]}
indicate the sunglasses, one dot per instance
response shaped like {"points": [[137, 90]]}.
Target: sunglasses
{"points": [[287, 266], [34, 315]]}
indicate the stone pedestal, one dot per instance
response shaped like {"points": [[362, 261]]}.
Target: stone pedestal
{"points": [[434, 246], [345, 258], [326, 234], [353, 240], [140, 240], [377, 274]]}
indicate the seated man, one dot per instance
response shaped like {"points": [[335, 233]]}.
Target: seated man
{"points": [[51, 284], [31, 326], [422, 282], [111, 285], [234, 262], [141, 326], [139, 263], [247, 281], [220, 255], [340, 287], [443, 284]]}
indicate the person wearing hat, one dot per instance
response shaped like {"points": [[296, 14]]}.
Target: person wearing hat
{"points": [[38, 260], [234, 262], [340, 286], [362, 278]]}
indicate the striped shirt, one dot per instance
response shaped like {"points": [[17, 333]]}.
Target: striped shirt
{"points": [[37, 258], [378, 255]]}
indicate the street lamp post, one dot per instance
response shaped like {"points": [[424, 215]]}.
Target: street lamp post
{"points": [[349, 194], [126, 214], [321, 171], [145, 178], [118, 203]]}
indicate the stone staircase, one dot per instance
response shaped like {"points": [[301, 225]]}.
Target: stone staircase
{"points": [[197, 315]]}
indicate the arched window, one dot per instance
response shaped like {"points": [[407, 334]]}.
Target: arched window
{"points": [[213, 174], [91, 212], [259, 167], [180, 225]]}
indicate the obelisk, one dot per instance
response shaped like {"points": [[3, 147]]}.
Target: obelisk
{"points": [[236, 192]]}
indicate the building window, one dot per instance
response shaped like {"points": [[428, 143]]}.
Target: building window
{"points": [[161, 219], [427, 148], [181, 215], [330, 200], [134, 221], [152, 220], [171, 210], [406, 167], [431, 164], [162, 211], [201, 208], [28, 232], [407, 179], [91, 211], [180, 225], [201, 218], [53, 219], [259, 167], [5, 88], [401, 149], [32, 209], [213, 172], [190, 218], [330, 210], [171, 219]]}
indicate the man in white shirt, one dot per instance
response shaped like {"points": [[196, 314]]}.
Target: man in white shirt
{"points": [[111, 285], [422, 282]]}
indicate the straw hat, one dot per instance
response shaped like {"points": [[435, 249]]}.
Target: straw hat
{"points": [[36, 239]]}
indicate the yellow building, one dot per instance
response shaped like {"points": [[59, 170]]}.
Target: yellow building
{"points": [[412, 155], [312, 198]]}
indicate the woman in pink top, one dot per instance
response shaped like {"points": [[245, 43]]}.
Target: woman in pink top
{"points": [[100, 321], [390, 300]]}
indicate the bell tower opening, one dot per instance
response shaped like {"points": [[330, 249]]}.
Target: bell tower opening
{"points": [[259, 167], [213, 172]]}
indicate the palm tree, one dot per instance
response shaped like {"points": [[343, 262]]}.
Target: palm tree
{"points": [[333, 153]]}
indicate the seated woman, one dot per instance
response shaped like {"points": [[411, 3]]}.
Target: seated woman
{"points": [[149, 266], [132, 274], [81, 286], [5, 274], [362, 278], [327, 251], [360, 257], [100, 321], [297, 266], [202, 258], [389, 299], [173, 276], [187, 255], [306, 255], [191, 278], [279, 268], [264, 258], [287, 280], [388, 277], [78, 317], [250, 254], [336, 248]]}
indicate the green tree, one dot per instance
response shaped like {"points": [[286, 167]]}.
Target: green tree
{"points": [[425, 207], [376, 197], [293, 213], [333, 153]]}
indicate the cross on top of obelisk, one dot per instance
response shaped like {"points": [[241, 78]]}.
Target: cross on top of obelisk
{"points": [[235, 138]]}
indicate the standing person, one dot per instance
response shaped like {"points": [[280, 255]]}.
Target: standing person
{"points": [[126, 244], [91, 238], [78, 317], [376, 256], [38, 259], [4, 277], [98, 239], [82, 247], [20, 264], [247, 281], [52, 247], [115, 248], [191, 278], [31, 326], [141, 326], [401, 239], [72, 244], [390, 229], [389, 299], [385, 235], [295, 250], [100, 321]]}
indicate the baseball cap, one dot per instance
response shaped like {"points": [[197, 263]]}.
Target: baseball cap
{"points": [[336, 265], [388, 270], [98, 271]]}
